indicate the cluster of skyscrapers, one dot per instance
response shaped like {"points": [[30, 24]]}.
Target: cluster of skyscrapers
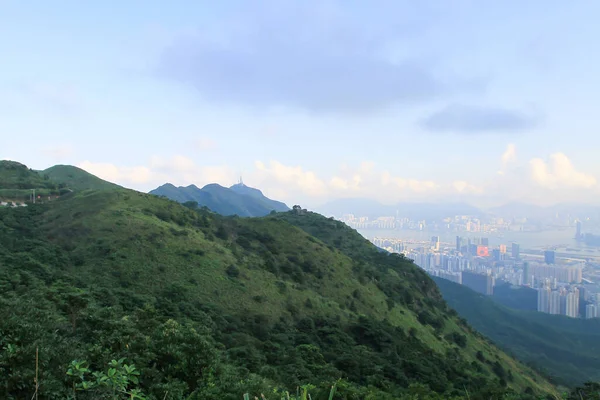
{"points": [[564, 301], [471, 263]]}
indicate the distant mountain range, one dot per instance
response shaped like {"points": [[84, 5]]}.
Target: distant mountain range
{"points": [[435, 211], [531, 211], [372, 209], [238, 199]]}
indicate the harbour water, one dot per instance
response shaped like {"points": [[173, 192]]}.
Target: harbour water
{"points": [[563, 240]]}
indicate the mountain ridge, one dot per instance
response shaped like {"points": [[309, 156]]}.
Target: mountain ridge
{"points": [[238, 199]]}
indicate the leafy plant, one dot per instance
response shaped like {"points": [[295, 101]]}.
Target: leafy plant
{"points": [[113, 384]]}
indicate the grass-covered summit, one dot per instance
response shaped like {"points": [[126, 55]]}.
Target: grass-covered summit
{"points": [[76, 178], [18, 182]]}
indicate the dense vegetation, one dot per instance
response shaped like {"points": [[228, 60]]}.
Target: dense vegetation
{"points": [[567, 349], [240, 200], [112, 293], [212, 306], [517, 297]]}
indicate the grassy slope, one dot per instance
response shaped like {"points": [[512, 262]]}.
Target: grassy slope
{"points": [[566, 348], [153, 247], [350, 242], [75, 178]]}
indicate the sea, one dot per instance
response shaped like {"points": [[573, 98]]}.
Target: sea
{"points": [[561, 240]]}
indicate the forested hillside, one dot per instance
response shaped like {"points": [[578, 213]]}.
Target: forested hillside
{"points": [[567, 349], [215, 307]]}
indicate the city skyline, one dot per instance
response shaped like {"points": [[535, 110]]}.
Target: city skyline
{"points": [[558, 281], [309, 101]]}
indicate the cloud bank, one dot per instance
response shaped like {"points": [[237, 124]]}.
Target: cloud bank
{"points": [[537, 181], [477, 119], [315, 56]]}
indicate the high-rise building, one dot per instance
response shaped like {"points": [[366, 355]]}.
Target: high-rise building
{"points": [[526, 274], [549, 256], [485, 242], [458, 243], [554, 305], [543, 302], [591, 311], [435, 243], [496, 254], [578, 234], [472, 249], [482, 283], [583, 295], [516, 251], [572, 304], [503, 248]]}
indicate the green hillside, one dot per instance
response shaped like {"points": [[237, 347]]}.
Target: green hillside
{"points": [[17, 182], [566, 348], [14, 175], [75, 178], [239, 199], [216, 306]]}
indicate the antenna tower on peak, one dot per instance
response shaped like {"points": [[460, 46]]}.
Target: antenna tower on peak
{"points": [[241, 182]]}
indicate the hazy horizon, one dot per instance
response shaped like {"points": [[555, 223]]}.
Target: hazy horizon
{"points": [[476, 102]]}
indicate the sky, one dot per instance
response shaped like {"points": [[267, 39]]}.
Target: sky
{"points": [[311, 100]]}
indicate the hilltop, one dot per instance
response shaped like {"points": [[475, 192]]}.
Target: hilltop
{"points": [[18, 182], [566, 348], [75, 178], [217, 306], [239, 199]]}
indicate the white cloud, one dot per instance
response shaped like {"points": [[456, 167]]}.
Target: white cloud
{"points": [[559, 172], [467, 188], [364, 180], [535, 181], [306, 181], [178, 170], [508, 157]]}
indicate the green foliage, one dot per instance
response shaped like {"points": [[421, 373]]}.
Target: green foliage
{"points": [[14, 175], [118, 275], [113, 384]]}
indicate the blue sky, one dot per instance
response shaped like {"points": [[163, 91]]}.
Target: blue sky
{"points": [[481, 101]]}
